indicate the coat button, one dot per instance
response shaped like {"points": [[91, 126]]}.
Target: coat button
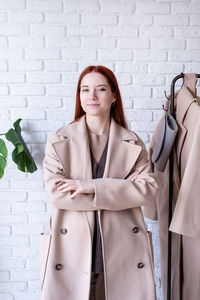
{"points": [[63, 231], [140, 265], [58, 267], [135, 229]]}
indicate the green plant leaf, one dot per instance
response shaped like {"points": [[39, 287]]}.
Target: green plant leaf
{"points": [[3, 163], [3, 148], [20, 155]]}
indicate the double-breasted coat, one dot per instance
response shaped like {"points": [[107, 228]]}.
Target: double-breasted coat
{"points": [[185, 224], [66, 243]]}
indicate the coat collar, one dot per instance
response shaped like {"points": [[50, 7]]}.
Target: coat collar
{"points": [[121, 155]]}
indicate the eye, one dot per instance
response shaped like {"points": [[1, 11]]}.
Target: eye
{"points": [[101, 89], [84, 90]]}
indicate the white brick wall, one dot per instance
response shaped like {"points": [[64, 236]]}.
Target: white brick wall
{"points": [[44, 45]]}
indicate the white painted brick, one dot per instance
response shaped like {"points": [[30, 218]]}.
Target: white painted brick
{"points": [[152, 8], [120, 31], [3, 89], [84, 30], [184, 56], [49, 30], [45, 126], [150, 55], [61, 66], [138, 115], [193, 44], [4, 276], [167, 43], [6, 53], [191, 67], [27, 184], [140, 103], [24, 275], [186, 8], [37, 196], [117, 7], [28, 207], [43, 77], [8, 77], [155, 31], [27, 90], [98, 43], [5, 252], [187, 32], [36, 229], [14, 29], [14, 240], [27, 295], [158, 115], [5, 207], [60, 18], [78, 54], [27, 114], [81, 6], [4, 230], [27, 252], [13, 196], [44, 5], [99, 19], [25, 17], [165, 68], [69, 78], [127, 103], [60, 115], [38, 219], [171, 20], [145, 126], [3, 41], [4, 184], [61, 90], [39, 173], [129, 19], [12, 102], [32, 264], [11, 264], [117, 54], [134, 43], [65, 42], [12, 4], [4, 115], [123, 79], [109, 64], [17, 65], [44, 102], [6, 296], [34, 285], [128, 91], [25, 42], [15, 286], [131, 67], [42, 53], [194, 20], [3, 17], [148, 80]]}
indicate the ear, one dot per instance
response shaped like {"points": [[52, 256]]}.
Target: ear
{"points": [[114, 97]]}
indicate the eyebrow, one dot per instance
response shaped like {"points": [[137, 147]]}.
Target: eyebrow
{"points": [[97, 85]]}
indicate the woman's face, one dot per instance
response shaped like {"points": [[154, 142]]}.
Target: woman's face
{"points": [[95, 94]]}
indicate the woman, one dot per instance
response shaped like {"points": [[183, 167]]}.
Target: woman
{"points": [[97, 176]]}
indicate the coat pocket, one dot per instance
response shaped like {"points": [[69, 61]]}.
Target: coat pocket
{"points": [[44, 246]]}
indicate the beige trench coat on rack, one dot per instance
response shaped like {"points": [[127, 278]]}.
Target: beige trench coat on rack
{"points": [[66, 244], [185, 224]]}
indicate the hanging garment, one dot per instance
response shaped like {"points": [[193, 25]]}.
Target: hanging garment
{"points": [[185, 224]]}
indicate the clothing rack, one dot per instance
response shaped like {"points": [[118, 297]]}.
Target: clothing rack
{"points": [[171, 165]]}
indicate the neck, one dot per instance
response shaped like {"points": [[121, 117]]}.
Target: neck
{"points": [[98, 124]]}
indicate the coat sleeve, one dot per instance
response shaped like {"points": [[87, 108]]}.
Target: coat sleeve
{"points": [[120, 194], [52, 171]]}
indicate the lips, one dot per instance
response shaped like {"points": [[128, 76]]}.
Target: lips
{"points": [[93, 105]]}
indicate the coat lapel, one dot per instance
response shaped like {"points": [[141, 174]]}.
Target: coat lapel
{"points": [[184, 100]]}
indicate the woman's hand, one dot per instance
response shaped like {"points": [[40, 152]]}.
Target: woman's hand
{"points": [[79, 186]]}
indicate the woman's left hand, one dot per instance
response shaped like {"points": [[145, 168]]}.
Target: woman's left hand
{"points": [[79, 186]]}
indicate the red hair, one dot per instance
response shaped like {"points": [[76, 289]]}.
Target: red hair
{"points": [[117, 110]]}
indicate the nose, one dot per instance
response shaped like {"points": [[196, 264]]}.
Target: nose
{"points": [[92, 95]]}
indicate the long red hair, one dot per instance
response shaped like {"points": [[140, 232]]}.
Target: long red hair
{"points": [[117, 110]]}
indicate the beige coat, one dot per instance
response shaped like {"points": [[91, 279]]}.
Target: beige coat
{"points": [[126, 244], [186, 190]]}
